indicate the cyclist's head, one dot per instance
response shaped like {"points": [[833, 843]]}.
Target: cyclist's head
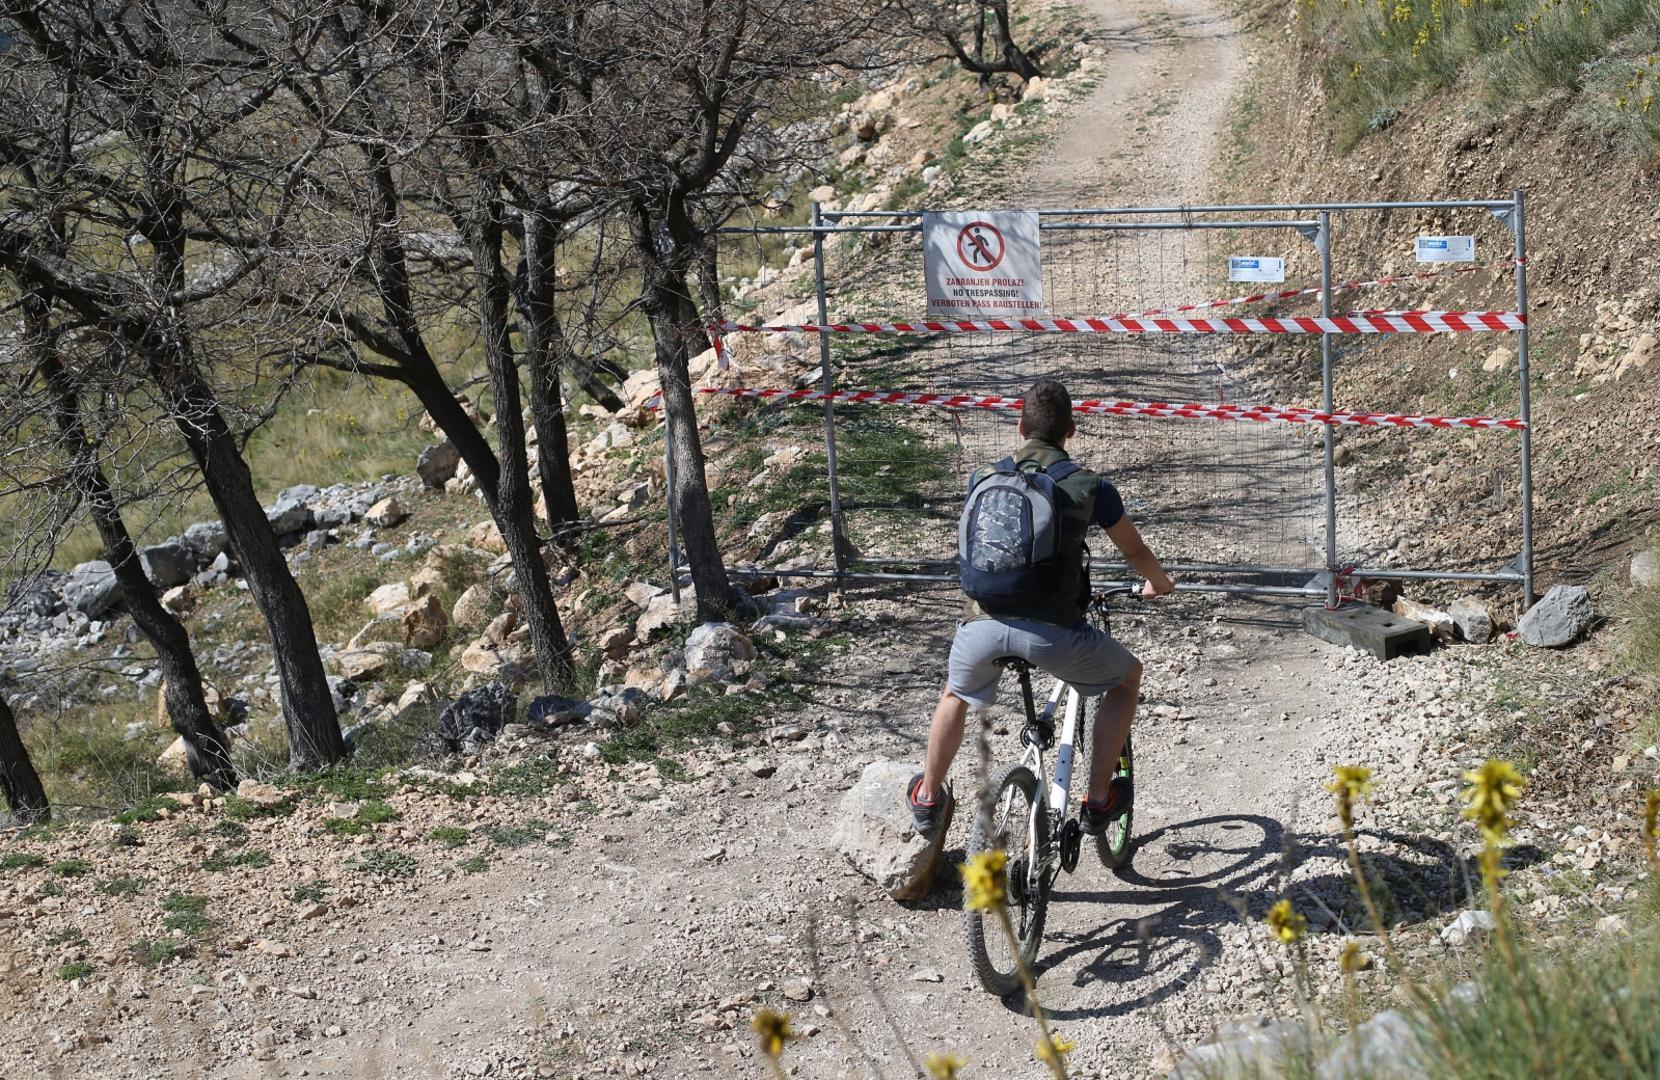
{"points": [[1047, 413]]}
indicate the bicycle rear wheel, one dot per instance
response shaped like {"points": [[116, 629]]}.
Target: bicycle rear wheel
{"points": [[996, 964], [1114, 843]]}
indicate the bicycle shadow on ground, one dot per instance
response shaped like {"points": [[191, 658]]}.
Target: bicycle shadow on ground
{"points": [[1221, 870]]}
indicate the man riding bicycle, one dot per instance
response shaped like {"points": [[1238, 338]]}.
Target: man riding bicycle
{"points": [[1035, 612]]}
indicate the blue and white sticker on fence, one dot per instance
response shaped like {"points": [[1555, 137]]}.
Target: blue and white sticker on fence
{"points": [[1255, 268], [1446, 249]]}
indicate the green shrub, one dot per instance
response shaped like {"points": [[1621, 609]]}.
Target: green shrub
{"points": [[515, 836], [450, 836], [21, 860], [123, 886], [221, 859], [71, 868], [382, 862], [187, 913], [242, 810], [148, 810], [79, 969], [478, 864]]}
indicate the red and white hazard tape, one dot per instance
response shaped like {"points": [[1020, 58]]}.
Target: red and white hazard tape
{"points": [[1314, 290], [1409, 322], [1156, 409]]}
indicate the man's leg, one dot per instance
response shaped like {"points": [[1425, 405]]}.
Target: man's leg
{"points": [[1112, 727], [945, 738]]}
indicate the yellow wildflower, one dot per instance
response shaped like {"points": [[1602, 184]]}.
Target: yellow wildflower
{"points": [[1651, 818], [1052, 1050], [1286, 924], [944, 1066], [772, 1031], [983, 886], [1353, 782], [1493, 791], [1351, 959]]}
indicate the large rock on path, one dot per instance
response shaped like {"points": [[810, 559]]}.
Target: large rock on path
{"points": [[1472, 619], [1559, 619], [874, 832]]}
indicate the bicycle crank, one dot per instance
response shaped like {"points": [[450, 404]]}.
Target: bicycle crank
{"points": [[1072, 842]]}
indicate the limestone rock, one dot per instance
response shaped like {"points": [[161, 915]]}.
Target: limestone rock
{"points": [[389, 599], [363, 665], [424, 623], [874, 832], [1386, 1047], [205, 539], [717, 652], [1260, 1046], [92, 589], [260, 794], [1645, 568], [486, 537], [291, 512], [425, 581], [472, 608], [168, 565], [1472, 619], [1470, 926], [180, 599], [490, 660], [437, 464], [1499, 359], [614, 642], [501, 628], [1439, 622], [661, 612], [1559, 619], [386, 513]]}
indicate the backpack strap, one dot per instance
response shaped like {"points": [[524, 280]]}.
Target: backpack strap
{"points": [[1007, 465], [1060, 470]]}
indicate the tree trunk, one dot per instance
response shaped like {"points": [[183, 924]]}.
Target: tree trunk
{"points": [[307, 706], [546, 350], [1013, 55], [207, 750], [669, 306], [167, 349], [18, 779], [708, 288], [514, 513]]}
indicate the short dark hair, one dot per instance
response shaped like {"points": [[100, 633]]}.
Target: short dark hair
{"points": [[1046, 413]]}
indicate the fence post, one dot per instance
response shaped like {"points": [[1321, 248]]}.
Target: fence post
{"points": [[1518, 227], [674, 521], [1328, 435], [837, 535]]}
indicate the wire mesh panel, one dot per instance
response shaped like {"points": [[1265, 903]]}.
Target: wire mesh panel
{"points": [[1237, 500]]}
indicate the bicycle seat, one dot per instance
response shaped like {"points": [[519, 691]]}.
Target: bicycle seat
{"points": [[1014, 663]]}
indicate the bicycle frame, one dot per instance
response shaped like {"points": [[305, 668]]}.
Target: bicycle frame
{"points": [[1057, 790]]}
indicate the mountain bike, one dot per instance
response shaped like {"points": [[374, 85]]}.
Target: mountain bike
{"points": [[1039, 833]]}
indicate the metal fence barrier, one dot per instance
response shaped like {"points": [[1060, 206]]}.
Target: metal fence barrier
{"points": [[1232, 505]]}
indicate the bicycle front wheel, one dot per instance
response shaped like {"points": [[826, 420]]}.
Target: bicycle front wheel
{"points": [[1019, 825], [1114, 843]]}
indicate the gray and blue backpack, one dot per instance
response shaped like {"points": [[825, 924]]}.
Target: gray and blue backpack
{"points": [[1009, 536]]}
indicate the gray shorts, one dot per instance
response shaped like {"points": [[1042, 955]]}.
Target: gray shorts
{"points": [[1083, 655]]}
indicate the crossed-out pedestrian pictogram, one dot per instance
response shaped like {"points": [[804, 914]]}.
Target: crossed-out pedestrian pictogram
{"points": [[980, 246]]}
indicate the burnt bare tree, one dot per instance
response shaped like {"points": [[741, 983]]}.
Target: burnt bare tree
{"points": [[25, 796], [977, 34], [172, 190], [682, 114]]}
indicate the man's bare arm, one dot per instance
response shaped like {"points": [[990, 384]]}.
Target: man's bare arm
{"points": [[1136, 552]]}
